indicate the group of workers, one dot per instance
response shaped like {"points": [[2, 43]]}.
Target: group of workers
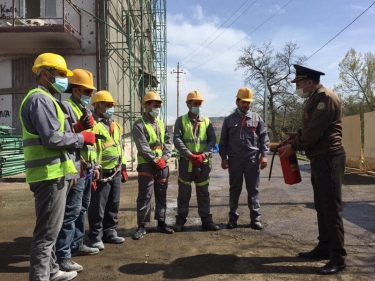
{"points": [[75, 163]]}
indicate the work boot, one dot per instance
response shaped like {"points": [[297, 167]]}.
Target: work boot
{"points": [[98, 244], [210, 226], [319, 252], [84, 250], [114, 240], [257, 225], [68, 265], [141, 231], [178, 227], [162, 227], [231, 224], [63, 276], [332, 267]]}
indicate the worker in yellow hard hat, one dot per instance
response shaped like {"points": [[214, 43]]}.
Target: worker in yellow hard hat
{"points": [[70, 239], [194, 137], [243, 147], [154, 149], [105, 196], [51, 159]]}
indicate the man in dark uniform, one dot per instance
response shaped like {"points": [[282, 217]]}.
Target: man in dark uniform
{"points": [[321, 139]]}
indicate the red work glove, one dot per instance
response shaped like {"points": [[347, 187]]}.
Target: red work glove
{"points": [[194, 160], [85, 122], [160, 164], [88, 138], [94, 186], [124, 176]]}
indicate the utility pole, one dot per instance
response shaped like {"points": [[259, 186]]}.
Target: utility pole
{"points": [[178, 87], [265, 109]]}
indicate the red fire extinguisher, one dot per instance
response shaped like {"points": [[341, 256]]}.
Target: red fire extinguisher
{"points": [[290, 168]]}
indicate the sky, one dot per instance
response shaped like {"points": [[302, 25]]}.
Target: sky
{"points": [[206, 37]]}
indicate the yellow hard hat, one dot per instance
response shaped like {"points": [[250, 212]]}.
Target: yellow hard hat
{"points": [[83, 78], [51, 60], [194, 95], [245, 94], [102, 96], [153, 95]]}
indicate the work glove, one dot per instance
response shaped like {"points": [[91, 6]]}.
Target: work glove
{"points": [[88, 138], [85, 122], [195, 160], [124, 175], [160, 164], [94, 186]]}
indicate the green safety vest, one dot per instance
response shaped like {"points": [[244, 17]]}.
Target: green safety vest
{"points": [[43, 163], [88, 152], [110, 150], [156, 144]]}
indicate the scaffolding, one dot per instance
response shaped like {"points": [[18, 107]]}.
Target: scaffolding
{"points": [[132, 56]]}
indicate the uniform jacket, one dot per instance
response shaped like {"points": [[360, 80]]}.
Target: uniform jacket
{"points": [[141, 139], [179, 132], [322, 132], [243, 137]]}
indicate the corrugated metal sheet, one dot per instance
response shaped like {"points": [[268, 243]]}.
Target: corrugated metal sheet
{"points": [[21, 72]]}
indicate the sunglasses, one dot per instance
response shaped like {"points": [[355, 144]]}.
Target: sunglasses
{"points": [[86, 92]]}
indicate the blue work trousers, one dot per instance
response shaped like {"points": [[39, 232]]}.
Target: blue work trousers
{"points": [[73, 227]]}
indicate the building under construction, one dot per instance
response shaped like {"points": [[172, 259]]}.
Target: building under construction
{"points": [[122, 42]]}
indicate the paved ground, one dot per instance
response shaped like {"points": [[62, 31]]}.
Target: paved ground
{"points": [[239, 254]]}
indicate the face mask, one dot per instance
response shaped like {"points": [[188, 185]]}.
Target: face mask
{"points": [[196, 110], [301, 93], [109, 112], [60, 85], [155, 112], [85, 100], [241, 112]]}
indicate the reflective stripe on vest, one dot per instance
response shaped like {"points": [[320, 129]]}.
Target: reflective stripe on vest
{"points": [[109, 150], [88, 152], [156, 145], [44, 163]]}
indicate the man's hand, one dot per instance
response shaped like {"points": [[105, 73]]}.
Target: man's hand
{"points": [[88, 138], [96, 175], [124, 175], [85, 122], [288, 151], [263, 162], [160, 164], [224, 164]]}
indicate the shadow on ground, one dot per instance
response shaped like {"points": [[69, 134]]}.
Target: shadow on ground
{"points": [[13, 253]]}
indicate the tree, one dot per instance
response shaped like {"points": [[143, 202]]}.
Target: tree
{"points": [[265, 68], [357, 75]]}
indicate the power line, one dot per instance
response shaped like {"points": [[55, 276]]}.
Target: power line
{"points": [[215, 31], [341, 31], [244, 37], [221, 32]]}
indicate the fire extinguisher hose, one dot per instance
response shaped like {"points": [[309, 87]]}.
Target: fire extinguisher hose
{"points": [[273, 157]]}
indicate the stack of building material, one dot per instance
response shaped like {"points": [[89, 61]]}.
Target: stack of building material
{"points": [[11, 153]]}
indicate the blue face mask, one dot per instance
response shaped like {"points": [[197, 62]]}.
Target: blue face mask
{"points": [[196, 110], [241, 112], [85, 100], [61, 84], [109, 112]]}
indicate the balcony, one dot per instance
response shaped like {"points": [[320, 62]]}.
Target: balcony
{"points": [[29, 26]]}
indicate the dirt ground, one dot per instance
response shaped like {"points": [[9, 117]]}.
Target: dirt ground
{"points": [[240, 254]]}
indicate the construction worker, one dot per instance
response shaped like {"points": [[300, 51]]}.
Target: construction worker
{"points": [[154, 149], [194, 137], [105, 196], [51, 160], [70, 239], [243, 147], [321, 139]]}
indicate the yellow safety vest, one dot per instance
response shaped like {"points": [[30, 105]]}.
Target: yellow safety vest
{"points": [[43, 163], [156, 145], [88, 152]]}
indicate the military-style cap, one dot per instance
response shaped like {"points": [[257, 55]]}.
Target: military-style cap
{"points": [[304, 72]]}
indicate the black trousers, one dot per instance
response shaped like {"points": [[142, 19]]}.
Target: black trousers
{"points": [[327, 174]]}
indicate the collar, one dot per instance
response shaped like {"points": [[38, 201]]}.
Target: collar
{"points": [[148, 119], [249, 114], [200, 118]]}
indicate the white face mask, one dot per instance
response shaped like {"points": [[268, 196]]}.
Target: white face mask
{"points": [[155, 112], [301, 93]]}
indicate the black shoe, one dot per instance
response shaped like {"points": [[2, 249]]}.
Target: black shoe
{"points": [[316, 253], [257, 225], [231, 224], [331, 268], [162, 227], [178, 227], [141, 231], [114, 240], [210, 226]]}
